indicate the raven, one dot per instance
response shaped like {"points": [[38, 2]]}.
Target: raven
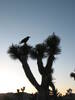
{"points": [[24, 40]]}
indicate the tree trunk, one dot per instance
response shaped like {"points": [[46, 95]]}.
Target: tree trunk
{"points": [[43, 94], [46, 74]]}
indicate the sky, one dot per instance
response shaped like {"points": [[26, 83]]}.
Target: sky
{"points": [[38, 19]]}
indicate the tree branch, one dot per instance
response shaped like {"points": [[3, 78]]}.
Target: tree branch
{"points": [[29, 73], [40, 65], [48, 67]]}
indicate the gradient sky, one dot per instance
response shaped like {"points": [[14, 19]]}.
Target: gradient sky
{"points": [[37, 18]]}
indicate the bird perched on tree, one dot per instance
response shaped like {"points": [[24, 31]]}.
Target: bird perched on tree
{"points": [[24, 40]]}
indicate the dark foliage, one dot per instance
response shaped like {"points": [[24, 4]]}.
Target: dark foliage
{"points": [[49, 47], [14, 51], [52, 44], [72, 75]]}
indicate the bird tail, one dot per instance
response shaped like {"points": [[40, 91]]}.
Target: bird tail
{"points": [[20, 42]]}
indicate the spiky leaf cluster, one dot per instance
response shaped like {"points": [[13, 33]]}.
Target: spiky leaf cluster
{"points": [[16, 51], [72, 75], [13, 51], [49, 46], [40, 49], [52, 44]]}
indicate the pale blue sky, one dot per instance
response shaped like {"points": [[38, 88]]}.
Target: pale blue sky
{"points": [[37, 18]]}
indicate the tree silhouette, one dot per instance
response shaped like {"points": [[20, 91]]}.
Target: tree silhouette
{"points": [[23, 89], [48, 49], [69, 91], [72, 75]]}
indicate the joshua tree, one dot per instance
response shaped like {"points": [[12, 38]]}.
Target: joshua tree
{"points": [[72, 75], [69, 91], [48, 49], [23, 89], [18, 91]]}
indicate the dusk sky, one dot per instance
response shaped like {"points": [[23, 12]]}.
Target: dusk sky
{"points": [[38, 19]]}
